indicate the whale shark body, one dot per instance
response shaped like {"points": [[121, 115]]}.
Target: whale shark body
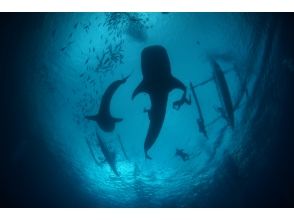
{"points": [[104, 118], [157, 82]]}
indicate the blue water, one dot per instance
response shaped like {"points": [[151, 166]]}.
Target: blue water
{"points": [[66, 83]]}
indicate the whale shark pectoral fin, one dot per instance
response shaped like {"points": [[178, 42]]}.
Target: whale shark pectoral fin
{"points": [[117, 119], [177, 84], [140, 88]]}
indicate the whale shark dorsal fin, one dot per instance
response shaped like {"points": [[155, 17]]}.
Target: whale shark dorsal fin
{"points": [[140, 88]]}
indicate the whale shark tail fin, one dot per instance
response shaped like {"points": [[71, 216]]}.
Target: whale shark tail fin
{"points": [[91, 117]]}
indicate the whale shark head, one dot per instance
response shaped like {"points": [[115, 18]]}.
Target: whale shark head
{"points": [[155, 63]]}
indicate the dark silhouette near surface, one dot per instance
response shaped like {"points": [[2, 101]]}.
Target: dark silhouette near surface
{"points": [[224, 93], [109, 155], [200, 120], [104, 118], [157, 82], [183, 155], [122, 147], [92, 152]]}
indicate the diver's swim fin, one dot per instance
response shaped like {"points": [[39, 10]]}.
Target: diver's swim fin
{"points": [[147, 156]]}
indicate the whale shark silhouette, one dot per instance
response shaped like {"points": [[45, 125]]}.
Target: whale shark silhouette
{"points": [[157, 82], [104, 118]]}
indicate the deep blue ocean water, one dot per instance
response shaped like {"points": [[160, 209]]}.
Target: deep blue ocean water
{"points": [[61, 64]]}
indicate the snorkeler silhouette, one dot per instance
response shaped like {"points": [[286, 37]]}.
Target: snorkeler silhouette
{"points": [[157, 82], [104, 118], [180, 153]]}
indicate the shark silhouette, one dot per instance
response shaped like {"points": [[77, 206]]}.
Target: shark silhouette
{"points": [[104, 118], [157, 82]]}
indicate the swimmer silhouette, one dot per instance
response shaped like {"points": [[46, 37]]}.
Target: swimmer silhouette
{"points": [[180, 153], [157, 82]]}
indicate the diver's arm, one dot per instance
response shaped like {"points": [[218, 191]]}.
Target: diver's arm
{"points": [[183, 100]]}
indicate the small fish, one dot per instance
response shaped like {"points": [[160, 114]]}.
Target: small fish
{"points": [[70, 35], [134, 19], [87, 61], [54, 32], [106, 61], [86, 28], [63, 49], [76, 25], [103, 56]]}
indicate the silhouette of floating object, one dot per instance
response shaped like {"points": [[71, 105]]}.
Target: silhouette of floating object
{"points": [[223, 92]]}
